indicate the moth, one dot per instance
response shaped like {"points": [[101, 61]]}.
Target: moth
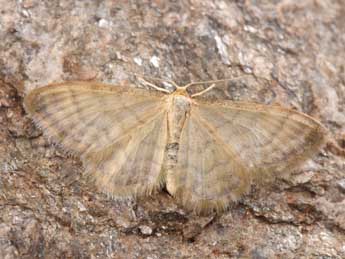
{"points": [[207, 154]]}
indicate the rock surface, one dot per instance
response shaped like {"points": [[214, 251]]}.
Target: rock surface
{"points": [[294, 54]]}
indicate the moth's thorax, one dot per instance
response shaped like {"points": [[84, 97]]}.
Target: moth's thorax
{"points": [[179, 109]]}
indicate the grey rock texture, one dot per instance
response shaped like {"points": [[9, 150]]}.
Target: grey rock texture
{"points": [[294, 54]]}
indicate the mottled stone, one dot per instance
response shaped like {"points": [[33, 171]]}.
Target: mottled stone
{"points": [[145, 230], [294, 48]]}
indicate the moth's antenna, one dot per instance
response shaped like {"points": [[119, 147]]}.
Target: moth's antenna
{"points": [[213, 84], [204, 91], [156, 78], [154, 86], [214, 81]]}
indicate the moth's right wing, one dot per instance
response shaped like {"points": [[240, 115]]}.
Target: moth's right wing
{"points": [[120, 133], [208, 174], [269, 139]]}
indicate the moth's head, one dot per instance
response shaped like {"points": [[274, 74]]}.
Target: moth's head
{"points": [[181, 90]]}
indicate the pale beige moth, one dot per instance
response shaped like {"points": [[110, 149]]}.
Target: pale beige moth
{"points": [[207, 154]]}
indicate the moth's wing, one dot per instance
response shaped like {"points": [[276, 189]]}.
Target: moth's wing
{"points": [[225, 146], [119, 132], [268, 139], [132, 165], [208, 174], [87, 116]]}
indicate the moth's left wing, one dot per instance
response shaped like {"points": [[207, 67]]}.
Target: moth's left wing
{"points": [[119, 132], [85, 117], [132, 165]]}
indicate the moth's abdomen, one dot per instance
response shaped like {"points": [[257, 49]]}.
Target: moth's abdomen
{"points": [[179, 110]]}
